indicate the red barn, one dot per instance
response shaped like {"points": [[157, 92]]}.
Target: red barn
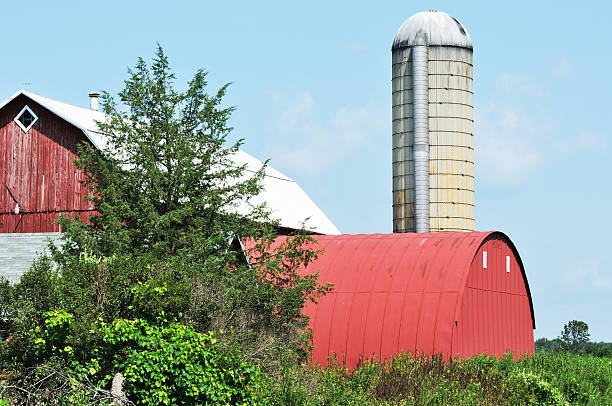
{"points": [[456, 294], [38, 180], [37, 175]]}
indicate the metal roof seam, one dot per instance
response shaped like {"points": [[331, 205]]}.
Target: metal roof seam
{"points": [[369, 299], [384, 258], [331, 267]]}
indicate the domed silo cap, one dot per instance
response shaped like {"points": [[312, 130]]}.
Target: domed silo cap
{"points": [[440, 29]]}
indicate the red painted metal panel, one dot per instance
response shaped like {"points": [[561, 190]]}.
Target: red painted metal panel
{"points": [[374, 322], [409, 322], [340, 324], [427, 323], [404, 292], [355, 332], [499, 302], [445, 323], [37, 172], [392, 325]]}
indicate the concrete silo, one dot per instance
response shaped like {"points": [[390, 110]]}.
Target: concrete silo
{"points": [[433, 125]]}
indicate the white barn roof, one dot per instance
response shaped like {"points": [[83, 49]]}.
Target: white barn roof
{"points": [[289, 204]]}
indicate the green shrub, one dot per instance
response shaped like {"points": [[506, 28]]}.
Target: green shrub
{"points": [[176, 365], [536, 391]]}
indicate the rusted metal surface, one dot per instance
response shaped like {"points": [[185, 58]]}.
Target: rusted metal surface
{"points": [[37, 171], [419, 293], [451, 138], [450, 127]]}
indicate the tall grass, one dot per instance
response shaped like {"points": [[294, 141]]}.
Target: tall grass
{"points": [[543, 379]]}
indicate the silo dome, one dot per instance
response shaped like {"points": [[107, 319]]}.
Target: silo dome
{"points": [[433, 125], [440, 28]]}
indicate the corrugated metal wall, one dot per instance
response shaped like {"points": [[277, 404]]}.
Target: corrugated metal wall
{"points": [[496, 304], [36, 168], [19, 250], [451, 140], [403, 142], [404, 292]]}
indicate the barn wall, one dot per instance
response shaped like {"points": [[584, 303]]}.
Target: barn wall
{"points": [[38, 170], [19, 250], [495, 315], [403, 293]]}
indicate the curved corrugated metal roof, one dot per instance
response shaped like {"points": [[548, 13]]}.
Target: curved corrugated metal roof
{"points": [[440, 28], [286, 200], [391, 290]]}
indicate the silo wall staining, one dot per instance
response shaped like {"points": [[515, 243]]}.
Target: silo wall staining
{"points": [[451, 137]]}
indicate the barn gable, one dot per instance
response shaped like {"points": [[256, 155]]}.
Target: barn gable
{"points": [[38, 180]]}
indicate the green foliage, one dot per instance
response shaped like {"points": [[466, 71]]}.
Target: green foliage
{"points": [[172, 205], [536, 391], [165, 184], [543, 379], [575, 335], [175, 365]]}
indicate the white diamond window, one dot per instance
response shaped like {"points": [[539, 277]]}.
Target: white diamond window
{"points": [[26, 119]]}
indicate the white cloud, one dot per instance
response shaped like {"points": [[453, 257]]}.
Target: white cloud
{"points": [[274, 96], [508, 142], [515, 133], [592, 274], [303, 142], [521, 84], [564, 68], [354, 48]]}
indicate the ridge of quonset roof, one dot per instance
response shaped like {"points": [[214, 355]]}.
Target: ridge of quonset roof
{"points": [[285, 199]]}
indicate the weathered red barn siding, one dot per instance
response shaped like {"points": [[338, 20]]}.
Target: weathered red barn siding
{"points": [[419, 293], [37, 168]]}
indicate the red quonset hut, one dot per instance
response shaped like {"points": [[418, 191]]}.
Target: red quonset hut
{"points": [[456, 294]]}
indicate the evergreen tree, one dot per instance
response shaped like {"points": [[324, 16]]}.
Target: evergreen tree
{"points": [[173, 211]]}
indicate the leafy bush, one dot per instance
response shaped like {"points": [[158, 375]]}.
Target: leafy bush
{"points": [[175, 365]]}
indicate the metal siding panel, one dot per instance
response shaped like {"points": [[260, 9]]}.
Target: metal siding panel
{"points": [[373, 334], [385, 265], [444, 324], [19, 250], [415, 277], [357, 328], [322, 328], [475, 310], [410, 322], [427, 323], [391, 325], [340, 324]]}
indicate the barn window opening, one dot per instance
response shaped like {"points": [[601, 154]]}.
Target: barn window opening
{"points": [[508, 263], [26, 119], [484, 259]]}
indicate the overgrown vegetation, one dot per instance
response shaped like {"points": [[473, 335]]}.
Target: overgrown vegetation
{"points": [[156, 287], [141, 287], [544, 379]]}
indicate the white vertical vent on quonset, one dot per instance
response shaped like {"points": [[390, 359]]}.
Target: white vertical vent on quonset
{"points": [[508, 263], [484, 259]]}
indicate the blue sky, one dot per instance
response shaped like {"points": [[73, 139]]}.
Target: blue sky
{"points": [[311, 83]]}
